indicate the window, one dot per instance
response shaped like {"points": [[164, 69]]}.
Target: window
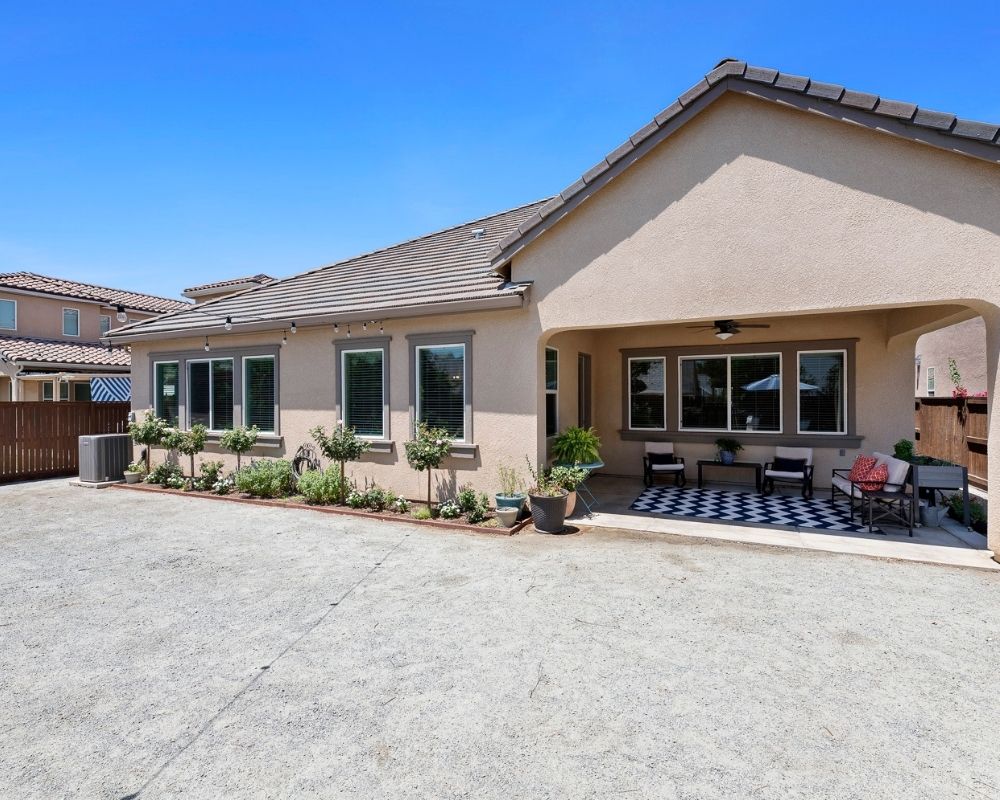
{"points": [[647, 404], [8, 314], [440, 388], [931, 381], [822, 392], [166, 391], [258, 392], [71, 322], [210, 393], [63, 390], [105, 324], [551, 391], [81, 392], [363, 391], [583, 397], [47, 390], [731, 393]]}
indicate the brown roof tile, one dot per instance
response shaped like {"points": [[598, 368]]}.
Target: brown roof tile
{"points": [[55, 351], [30, 282]]}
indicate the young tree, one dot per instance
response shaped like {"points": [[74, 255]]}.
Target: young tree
{"points": [[149, 432], [428, 449], [342, 445], [239, 441], [192, 442]]}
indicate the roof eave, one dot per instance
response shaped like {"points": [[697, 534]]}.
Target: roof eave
{"points": [[75, 365], [510, 300]]}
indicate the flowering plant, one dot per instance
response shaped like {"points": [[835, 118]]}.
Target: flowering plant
{"points": [[428, 449], [342, 445]]}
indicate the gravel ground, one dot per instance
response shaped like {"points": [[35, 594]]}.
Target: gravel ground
{"points": [[157, 647]]}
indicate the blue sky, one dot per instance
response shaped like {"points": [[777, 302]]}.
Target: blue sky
{"points": [[155, 146]]}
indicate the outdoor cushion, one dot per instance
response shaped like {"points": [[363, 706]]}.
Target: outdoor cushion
{"points": [[659, 447], [788, 476], [666, 467], [805, 453], [796, 465], [846, 487], [862, 466], [875, 480], [897, 471], [657, 459]]}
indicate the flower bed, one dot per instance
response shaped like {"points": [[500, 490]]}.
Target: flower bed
{"points": [[490, 525]]}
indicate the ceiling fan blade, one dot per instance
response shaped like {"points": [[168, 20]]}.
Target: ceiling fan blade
{"points": [[753, 325], [700, 327]]}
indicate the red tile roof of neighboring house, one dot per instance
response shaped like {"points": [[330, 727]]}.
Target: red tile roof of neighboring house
{"points": [[55, 351], [30, 282]]}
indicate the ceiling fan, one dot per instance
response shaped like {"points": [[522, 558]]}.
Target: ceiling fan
{"points": [[726, 328]]}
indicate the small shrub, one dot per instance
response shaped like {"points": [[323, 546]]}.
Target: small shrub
{"points": [[511, 483], [318, 486], [137, 466], [342, 445], [192, 442], [355, 499], [177, 482], [568, 477], [239, 441], [428, 449], [577, 446], [956, 510], [399, 504], [224, 485], [903, 450], [211, 472], [164, 473], [149, 432], [422, 512], [376, 499], [480, 510], [266, 478], [466, 499], [449, 510]]}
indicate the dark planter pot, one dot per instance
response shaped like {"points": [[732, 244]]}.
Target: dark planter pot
{"points": [[549, 513], [727, 457], [512, 501]]}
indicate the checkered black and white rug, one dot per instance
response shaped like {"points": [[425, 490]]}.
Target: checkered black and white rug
{"points": [[747, 508]]}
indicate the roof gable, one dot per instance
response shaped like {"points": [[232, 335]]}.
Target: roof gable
{"points": [[905, 120]]}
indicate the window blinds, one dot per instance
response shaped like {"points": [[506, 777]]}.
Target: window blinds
{"points": [[363, 392], [259, 398], [441, 388]]}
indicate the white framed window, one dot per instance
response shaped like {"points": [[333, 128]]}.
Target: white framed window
{"points": [[551, 391], [8, 315], [71, 322], [931, 381], [259, 396], [210, 393], [166, 391], [822, 391], [730, 392], [105, 324], [64, 390], [441, 387], [647, 394], [47, 391], [362, 391]]}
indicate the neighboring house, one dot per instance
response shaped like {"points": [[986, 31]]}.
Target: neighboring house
{"points": [[826, 215], [966, 344], [50, 331], [213, 291]]}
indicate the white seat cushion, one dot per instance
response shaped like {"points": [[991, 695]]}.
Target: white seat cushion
{"points": [[788, 476], [898, 470], [846, 486], [666, 467]]}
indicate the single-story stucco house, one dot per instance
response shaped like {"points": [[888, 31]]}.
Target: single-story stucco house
{"points": [[843, 223]]}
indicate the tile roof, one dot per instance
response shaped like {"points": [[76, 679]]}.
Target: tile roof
{"points": [[449, 266], [260, 278], [29, 281], [55, 351], [946, 131]]}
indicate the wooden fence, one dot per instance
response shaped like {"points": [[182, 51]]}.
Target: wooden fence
{"points": [[40, 440], [954, 430]]}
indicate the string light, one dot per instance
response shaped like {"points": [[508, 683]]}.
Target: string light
{"points": [[348, 330], [121, 316], [336, 328], [294, 328], [229, 323], [380, 328], [284, 338], [207, 348], [364, 326]]}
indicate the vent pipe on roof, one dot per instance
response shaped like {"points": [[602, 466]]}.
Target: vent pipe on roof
{"points": [[478, 233]]}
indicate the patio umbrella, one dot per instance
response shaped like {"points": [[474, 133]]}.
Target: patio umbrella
{"points": [[773, 382]]}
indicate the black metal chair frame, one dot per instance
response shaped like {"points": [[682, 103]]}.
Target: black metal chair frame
{"points": [[767, 485], [884, 499], [649, 474]]}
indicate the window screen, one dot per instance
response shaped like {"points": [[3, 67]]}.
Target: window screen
{"points": [[931, 381], [210, 393], [8, 314], [647, 393], [166, 391], [822, 406], [441, 388], [47, 390], [704, 397], [362, 390], [71, 322], [105, 324], [756, 392], [258, 386]]}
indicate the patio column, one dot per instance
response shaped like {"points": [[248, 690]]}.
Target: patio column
{"points": [[992, 318]]}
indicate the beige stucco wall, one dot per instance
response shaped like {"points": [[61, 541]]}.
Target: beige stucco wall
{"points": [[42, 317], [966, 343]]}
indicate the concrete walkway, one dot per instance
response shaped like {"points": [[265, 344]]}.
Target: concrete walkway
{"points": [[951, 545]]}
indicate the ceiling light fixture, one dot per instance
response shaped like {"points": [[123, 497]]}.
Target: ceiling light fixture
{"points": [[724, 335]]}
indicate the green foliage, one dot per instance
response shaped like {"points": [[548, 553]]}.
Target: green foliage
{"points": [[449, 510], [165, 474], [577, 446], [399, 504], [137, 466], [318, 486], [511, 484], [355, 499], [568, 477], [266, 478], [190, 443], [466, 499], [479, 511], [977, 512], [239, 441], [422, 512], [542, 484], [211, 472], [377, 499], [428, 449], [903, 450], [342, 445], [149, 432], [727, 445]]}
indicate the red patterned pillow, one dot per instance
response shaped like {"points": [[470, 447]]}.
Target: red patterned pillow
{"points": [[875, 480], [862, 466]]}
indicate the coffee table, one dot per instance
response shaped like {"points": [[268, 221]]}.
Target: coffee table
{"points": [[708, 462]]}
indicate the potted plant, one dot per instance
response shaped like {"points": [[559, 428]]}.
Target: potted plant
{"points": [[569, 478], [239, 441], [508, 516], [548, 502], [728, 449], [576, 446], [342, 445], [511, 494], [428, 449], [135, 471]]}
